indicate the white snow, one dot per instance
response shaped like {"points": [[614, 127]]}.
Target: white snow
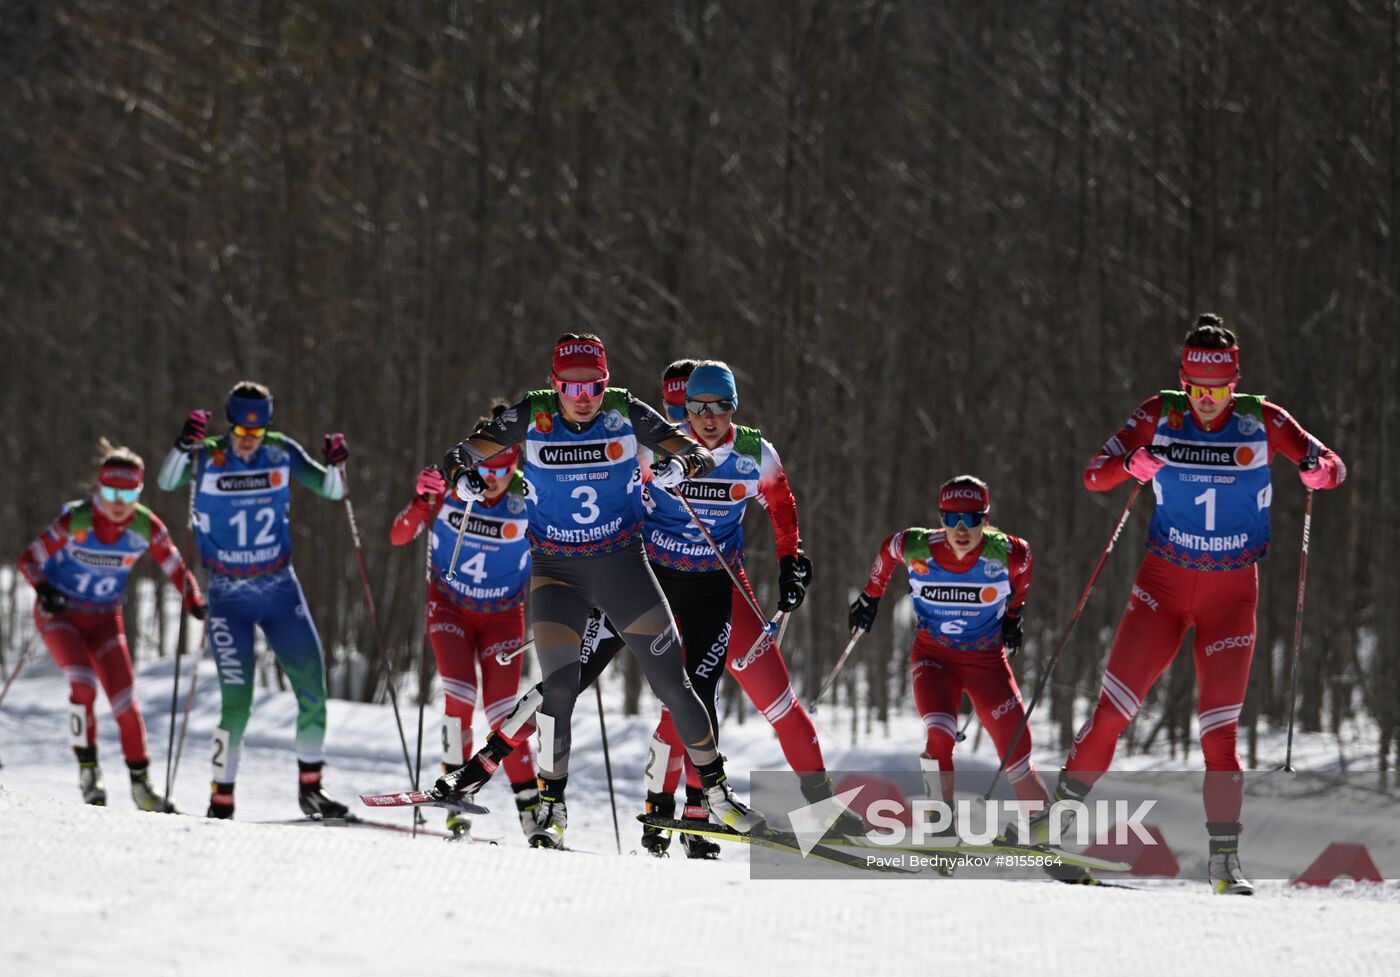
{"points": [[113, 891]]}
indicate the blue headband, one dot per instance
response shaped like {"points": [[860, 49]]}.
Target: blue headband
{"points": [[714, 380], [248, 411]]}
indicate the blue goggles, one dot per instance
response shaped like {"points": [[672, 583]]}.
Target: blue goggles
{"points": [[110, 494], [494, 472], [952, 520]]}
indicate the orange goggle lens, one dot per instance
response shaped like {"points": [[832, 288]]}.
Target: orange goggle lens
{"points": [[1212, 393], [249, 432]]}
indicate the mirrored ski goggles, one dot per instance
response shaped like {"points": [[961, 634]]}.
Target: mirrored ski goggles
{"points": [[249, 432], [1211, 393], [110, 494], [501, 472], [574, 389], [710, 406], [952, 520]]}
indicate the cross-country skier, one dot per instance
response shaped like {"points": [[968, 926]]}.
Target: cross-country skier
{"points": [[480, 612], [243, 485], [79, 569], [583, 487], [1206, 450], [717, 623], [968, 582]]}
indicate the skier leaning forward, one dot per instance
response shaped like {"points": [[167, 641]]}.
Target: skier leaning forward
{"points": [[79, 569], [243, 486], [583, 491], [968, 582], [1206, 449], [479, 615]]}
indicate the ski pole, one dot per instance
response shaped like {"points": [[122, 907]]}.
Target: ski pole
{"points": [[19, 663], [461, 531], [374, 621], [856, 635], [962, 733], [1064, 638], [506, 657], [607, 762], [189, 700], [1298, 628], [768, 626], [180, 627], [765, 637], [422, 666]]}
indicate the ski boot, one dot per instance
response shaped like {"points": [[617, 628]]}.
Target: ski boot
{"points": [[143, 793], [527, 801], [551, 816], [313, 797], [1226, 875], [816, 787], [459, 826], [657, 841], [697, 846], [723, 803], [90, 777], [1038, 833], [220, 801], [463, 783]]}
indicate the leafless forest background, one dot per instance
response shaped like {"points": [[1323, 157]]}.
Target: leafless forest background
{"points": [[931, 238]]}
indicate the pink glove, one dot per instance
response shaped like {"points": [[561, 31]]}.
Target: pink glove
{"points": [[1313, 473], [430, 483], [195, 428], [1142, 464]]}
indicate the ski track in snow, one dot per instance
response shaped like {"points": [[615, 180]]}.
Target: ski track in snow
{"points": [[113, 891]]}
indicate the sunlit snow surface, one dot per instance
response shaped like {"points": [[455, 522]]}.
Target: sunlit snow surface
{"points": [[112, 891]]}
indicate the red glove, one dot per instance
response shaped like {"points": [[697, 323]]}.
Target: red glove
{"points": [[334, 449], [1142, 464], [1313, 473], [430, 483]]}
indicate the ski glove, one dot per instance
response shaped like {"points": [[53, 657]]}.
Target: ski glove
{"points": [[194, 430], [1011, 632], [863, 612], [199, 611], [668, 474], [1312, 473], [803, 568], [791, 588], [430, 484], [471, 487], [696, 459], [334, 449], [1143, 464], [51, 598]]}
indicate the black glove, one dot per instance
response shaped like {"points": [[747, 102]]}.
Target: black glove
{"points": [[199, 611], [51, 598], [696, 459], [1011, 632], [791, 588], [457, 463], [863, 612], [803, 568]]}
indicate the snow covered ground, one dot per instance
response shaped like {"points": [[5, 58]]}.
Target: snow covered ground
{"points": [[88, 890]]}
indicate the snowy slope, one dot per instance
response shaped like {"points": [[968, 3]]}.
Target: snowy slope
{"points": [[113, 891]]}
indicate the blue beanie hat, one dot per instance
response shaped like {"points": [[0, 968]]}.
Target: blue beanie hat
{"points": [[714, 379], [249, 411]]}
